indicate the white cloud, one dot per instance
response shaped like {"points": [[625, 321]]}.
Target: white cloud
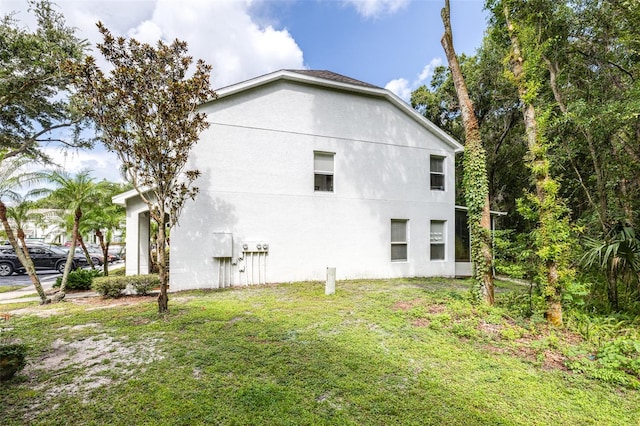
{"points": [[427, 71], [377, 8], [224, 34], [103, 164], [403, 88], [147, 32]]}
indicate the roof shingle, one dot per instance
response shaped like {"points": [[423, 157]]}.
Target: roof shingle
{"points": [[329, 75]]}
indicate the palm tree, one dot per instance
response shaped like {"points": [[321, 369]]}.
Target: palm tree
{"points": [[10, 180], [617, 256], [103, 220], [64, 224], [75, 193]]}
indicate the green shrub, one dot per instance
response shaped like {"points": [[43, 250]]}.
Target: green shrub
{"points": [[113, 286], [509, 332], [466, 328], [513, 270], [143, 284], [117, 272], [12, 359], [109, 286], [80, 279]]}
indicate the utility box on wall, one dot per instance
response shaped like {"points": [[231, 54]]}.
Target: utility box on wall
{"points": [[222, 244]]}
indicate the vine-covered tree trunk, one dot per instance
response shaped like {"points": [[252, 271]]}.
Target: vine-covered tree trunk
{"points": [[476, 187], [550, 211], [23, 256]]}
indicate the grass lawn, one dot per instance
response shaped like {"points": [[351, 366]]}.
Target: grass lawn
{"points": [[8, 288], [384, 352]]}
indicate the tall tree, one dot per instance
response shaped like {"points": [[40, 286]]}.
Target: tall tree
{"points": [[525, 31], [475, 173], [33, 105], [75, 192], [146, 110], [10, 179]]}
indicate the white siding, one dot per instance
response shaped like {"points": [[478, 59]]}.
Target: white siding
{"points": [[257, 164]]}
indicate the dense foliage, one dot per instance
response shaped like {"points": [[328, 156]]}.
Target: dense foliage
{"points": [[33, 105], [580, 73], [80, 279]]}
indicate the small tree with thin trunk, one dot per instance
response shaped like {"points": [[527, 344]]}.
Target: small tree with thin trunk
{"points": [[474, 180], [146, 110]]}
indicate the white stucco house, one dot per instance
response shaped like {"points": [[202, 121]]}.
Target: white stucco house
{"points": [[304, 170]]}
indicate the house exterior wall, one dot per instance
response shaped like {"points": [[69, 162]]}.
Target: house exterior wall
{"points": [[137, 241], [257, 186]]}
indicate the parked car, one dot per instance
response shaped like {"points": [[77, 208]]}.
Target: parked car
{"points": [[43, 258], [116, 252], [96, 256]]}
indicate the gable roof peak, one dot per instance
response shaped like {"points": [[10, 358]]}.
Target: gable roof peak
{"points": [[333, 76]]}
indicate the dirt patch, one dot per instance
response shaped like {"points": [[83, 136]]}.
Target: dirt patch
{"points": [[38, 311], [101, 302], [406, 305], [436, 309], [490, 329], [77, 367], [554, 361], [421, 322]]}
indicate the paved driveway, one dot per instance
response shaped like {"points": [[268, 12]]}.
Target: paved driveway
{"points": [[14, 279]]}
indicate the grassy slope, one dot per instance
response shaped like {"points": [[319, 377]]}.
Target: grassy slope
{"points": [[381, 352]]}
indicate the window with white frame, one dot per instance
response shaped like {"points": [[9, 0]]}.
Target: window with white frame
{"points": [[437, 236], [399, 240], [323, 171], [436, 167]]}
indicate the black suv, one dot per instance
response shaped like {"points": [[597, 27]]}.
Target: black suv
{"points": [[46, 257]]}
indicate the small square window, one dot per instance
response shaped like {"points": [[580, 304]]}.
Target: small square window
{"points": [[399, 240], [437, 173], [437, 237], [323, 171]]}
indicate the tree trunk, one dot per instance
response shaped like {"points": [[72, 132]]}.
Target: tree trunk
{"points": [[539, 165], [163, 297], [612, 290], [87, 255], [23, 256], [475, 174], [105, 252], [67, 267]]}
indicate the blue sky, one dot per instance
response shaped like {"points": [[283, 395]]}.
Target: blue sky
{"points": [[378, 48], [389, 43]]}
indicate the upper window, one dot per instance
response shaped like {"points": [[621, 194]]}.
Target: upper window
{"points": [[437, 173], [323, 171], [437, 240], [399, 241]]}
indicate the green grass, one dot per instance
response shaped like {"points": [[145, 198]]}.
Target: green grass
{"points": [[7, 288], [409, 352]]}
